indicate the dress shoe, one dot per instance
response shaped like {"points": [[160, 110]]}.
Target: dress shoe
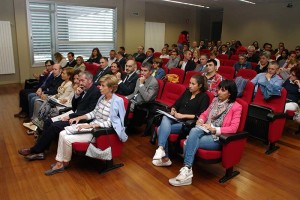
{"points": [[54, 171], [20, 115], [24, 152], [38, 156], [26, 120]]}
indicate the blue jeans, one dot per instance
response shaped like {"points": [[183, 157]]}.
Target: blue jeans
{"points": [[198, 139], [31, 98], [166, 127]]}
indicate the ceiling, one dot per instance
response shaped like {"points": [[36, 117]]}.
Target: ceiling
{"points": [[220, 4]]}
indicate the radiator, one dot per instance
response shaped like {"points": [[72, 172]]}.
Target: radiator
{"points": [[7, 64]]}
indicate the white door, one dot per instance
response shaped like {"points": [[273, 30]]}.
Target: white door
{"points": [[154, 36]]}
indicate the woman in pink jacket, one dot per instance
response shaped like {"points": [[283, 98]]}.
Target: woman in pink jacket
{"points": [[221, 117]]}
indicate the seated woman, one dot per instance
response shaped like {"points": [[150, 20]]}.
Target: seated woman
{"points": [[95, 56], [196, 56], [79, 64], [292, 86], [164, 53], [263, 64], [64, 96], [116, 70], [190, 105], [157, 71], [222, 117], [109, 112], [59, 59]]}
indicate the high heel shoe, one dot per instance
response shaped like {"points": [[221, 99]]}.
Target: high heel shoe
{"points": [[153, 138]]}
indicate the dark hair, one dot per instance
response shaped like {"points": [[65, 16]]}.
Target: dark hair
{"points": [[121, 53], [151, 49], [213, 61], [148, 66], [265, 44], [71, 54], [51, 62], [174, 51], [292, 52], [98, 52], [105, 58], [296, 69], [184, 32], [238, 43], [231, 87], [201, 80], [123, 48], [118, 66], [158, 60], [167, 45]]}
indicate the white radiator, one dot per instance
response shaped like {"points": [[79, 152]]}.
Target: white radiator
{"points": [[7, 64]]}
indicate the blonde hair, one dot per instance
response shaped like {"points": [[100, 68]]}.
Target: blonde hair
{"points": [[111, 81]]}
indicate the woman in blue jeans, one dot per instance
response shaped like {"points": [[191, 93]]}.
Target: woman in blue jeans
{"points": [[221, 117], [190, 105]]}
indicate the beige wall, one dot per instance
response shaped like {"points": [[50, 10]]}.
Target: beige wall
{"points": [[271, 23]]}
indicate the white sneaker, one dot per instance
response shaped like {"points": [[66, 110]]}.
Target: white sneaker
{"points": [[160, 163], [159, 153], [33, 127], [184, 177], [27, 125]]}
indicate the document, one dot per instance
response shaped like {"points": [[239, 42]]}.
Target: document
{"points": [[59, 117], [73, 129], [202, 128], [55, 101], [168, 115]]}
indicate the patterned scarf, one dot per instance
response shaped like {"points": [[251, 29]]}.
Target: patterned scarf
{"points": [[218, 111]]}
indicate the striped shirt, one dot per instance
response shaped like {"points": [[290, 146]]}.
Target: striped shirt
{"points": [[101, 114]]}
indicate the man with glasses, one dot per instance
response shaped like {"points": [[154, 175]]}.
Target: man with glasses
{"points": [[103, 70], [269, 82], [174, 60], [128, 82]]}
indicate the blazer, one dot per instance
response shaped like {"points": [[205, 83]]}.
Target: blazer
{"points": [[122, 63], [147, 92], [160, 73], [117, 115], [127, 87], [70, 64], [190, 66], [100, 73], [139, 57], [51, 85], [82, 105], [148, 60], [231, 121]]}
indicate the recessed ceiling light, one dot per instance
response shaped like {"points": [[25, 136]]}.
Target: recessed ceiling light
{"points": [[184, 3], [247, 1]]}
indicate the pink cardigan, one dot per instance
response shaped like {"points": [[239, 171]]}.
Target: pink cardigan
{"points": [[231, 121]]}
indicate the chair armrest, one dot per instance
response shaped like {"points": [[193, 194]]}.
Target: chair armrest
{"points": [[226, 138], [102, 131], [273, 116], [190, 123], [64, 110]]}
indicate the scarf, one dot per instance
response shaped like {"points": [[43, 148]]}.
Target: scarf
{"points": [[218, 111]]}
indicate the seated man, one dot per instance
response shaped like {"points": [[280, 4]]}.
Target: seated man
{"points": [[213, 78], [242, 63], [203, 64], [252, 55], [263, 64], [103, 70], [269, 82], [72, 61], [187, 64], [174, 60], [112, 57], [149, 55], [128, 82], [84, 101], [140, 56]]}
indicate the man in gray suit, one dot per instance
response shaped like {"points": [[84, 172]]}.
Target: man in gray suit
{"points": [[146, 87]]}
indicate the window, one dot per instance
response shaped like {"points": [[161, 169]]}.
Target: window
{"points": [[62, 28]]}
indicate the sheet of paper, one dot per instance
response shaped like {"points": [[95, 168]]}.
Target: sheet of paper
{"points": [[59, 117]]}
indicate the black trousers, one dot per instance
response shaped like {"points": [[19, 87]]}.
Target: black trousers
{"points": [[51, 131], [23, 94]]}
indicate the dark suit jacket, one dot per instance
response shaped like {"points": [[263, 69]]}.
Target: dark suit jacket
{"points": [[84, 105], [70, 64], [52, 84], [127, 87], [99, 74], [122, 63], [148, 60], [140, 57], [190, 66]]}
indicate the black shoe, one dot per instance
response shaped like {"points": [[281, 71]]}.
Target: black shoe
{"points": [[38, 156]]}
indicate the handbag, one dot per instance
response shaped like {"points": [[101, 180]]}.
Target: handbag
{"points": [[173, 78], [94, 152]]}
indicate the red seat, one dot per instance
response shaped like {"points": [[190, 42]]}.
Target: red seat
{"points": [[205, 51], [229, 62], [253, 64], [227, 72], [156, 54], [188, 76], [165, 61], [232, 148], [266, 119], [138, 65], [246, 73], [161, 85], [171, 93], [222, 56], [107, 138], [234, 57], [165, 69], [179, 72], [92, 68], [248, 92]]}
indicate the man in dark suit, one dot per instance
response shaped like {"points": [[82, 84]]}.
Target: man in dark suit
{"points": [[187, 64], [121, 60], [84, 101], [103, 70], [149, 58], [140, 55], [128, 82], [72, 61]]}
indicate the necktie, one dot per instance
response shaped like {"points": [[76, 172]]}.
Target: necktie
{"points": [[126, 78]]}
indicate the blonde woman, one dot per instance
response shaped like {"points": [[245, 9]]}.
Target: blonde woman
{"points": [[60, 59], [79, 64]]}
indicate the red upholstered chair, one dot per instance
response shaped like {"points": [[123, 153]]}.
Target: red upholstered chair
{"points": [[138, 65], [188, 76], [232, 148], [205, 51], [156, 54], [165, 69], [266, 119], [229, 62], [165, 61], [248, 92], [253, 64], [227, 72], [223, 56], [246, 73], [161, 85], [92, 68], [179, 72], [234, 57], [171, 93], [106, 137]]}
